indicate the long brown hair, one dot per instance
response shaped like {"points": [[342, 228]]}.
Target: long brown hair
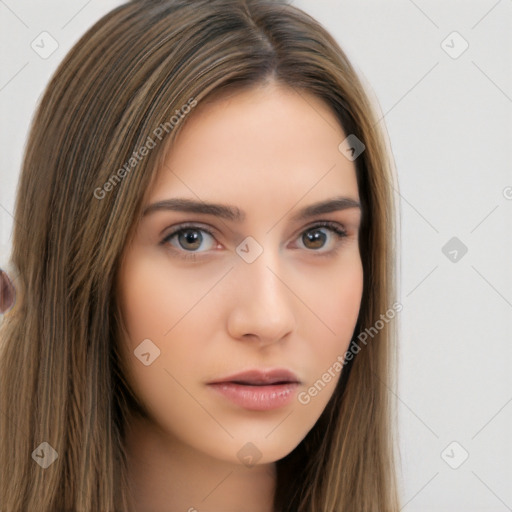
{"points": [[80, 195]]}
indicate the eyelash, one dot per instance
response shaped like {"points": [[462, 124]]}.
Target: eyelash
{"points": [[334, 227]]}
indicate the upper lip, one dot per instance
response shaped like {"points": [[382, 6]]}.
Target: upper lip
{"points": [[257, 376]]}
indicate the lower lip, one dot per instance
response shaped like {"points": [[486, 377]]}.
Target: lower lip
{"points": [[257, 398]]}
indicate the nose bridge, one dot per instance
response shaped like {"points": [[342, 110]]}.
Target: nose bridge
{"points": [[259, 278], [264, 304]]}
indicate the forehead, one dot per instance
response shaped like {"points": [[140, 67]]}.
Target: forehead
{"points": [[259, 148]]}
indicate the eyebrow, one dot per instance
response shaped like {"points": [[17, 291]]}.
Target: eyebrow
{"points": [[234, 214]]}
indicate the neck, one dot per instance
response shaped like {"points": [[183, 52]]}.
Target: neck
{"points": [[167, 475]]}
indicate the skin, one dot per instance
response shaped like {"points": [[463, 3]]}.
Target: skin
{"points": [[270, 152]]}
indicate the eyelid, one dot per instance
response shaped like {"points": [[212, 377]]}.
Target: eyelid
{"points": [[329, 224]]}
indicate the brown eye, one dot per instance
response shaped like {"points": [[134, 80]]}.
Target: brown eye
{"points": [[190, 239], [314, 239], [321, 236]]}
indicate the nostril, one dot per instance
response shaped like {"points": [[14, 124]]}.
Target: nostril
{"points": [[7, 293]]}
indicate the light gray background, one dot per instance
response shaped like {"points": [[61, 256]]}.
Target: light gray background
{"points": [[450, 125]]}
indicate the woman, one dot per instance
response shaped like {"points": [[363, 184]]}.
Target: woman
{"points": [[204, 255]]}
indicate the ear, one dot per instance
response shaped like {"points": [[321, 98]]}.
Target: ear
{"points": [[7, 293]]}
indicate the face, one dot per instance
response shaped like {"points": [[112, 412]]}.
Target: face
{"points": [[261, 283]]}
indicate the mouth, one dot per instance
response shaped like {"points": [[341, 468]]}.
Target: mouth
{"points": [[258, 390]]}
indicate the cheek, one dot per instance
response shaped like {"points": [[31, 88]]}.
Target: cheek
{"points": [[345, 296], [334, 299], [156, 299], [335, 302], [157, 304], [172, 311]]}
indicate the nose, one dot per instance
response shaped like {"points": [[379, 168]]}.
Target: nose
{"points": [[263, 303]]}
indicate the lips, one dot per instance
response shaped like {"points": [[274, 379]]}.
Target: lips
{"points": [[258, 390], [257, 377]]}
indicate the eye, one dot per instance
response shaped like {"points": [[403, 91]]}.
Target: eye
{"points": [[190, 239], [321, 235]]}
